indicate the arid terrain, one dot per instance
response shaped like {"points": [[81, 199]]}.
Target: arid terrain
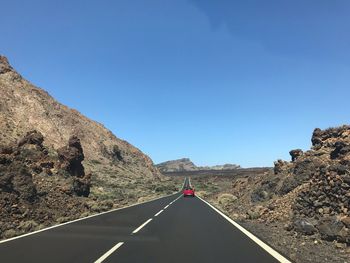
{"points": [[57, 165], [301, 207]]}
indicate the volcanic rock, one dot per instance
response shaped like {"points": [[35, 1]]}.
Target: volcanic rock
{"points": [[71, 156]]}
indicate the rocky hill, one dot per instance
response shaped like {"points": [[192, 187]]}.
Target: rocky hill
{"points": [[57, 165], [24, 107], [302, 206], [185, 165]]}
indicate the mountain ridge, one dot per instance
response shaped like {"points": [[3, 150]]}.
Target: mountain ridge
{"points": [[185, 164]]}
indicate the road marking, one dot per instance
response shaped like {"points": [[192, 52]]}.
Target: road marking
{"points": [[159, 212], [166, 207], [79, 219], [140, 227], [266, 247], [183, 186], [109, 252]]}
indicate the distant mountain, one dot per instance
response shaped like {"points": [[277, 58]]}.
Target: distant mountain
{"points": [[185, 164], [180, 165], [226, 166]]}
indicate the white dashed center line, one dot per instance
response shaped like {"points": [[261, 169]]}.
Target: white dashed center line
{"points": [[109, 252], [158, 212], [140, 227], [166, 207]]}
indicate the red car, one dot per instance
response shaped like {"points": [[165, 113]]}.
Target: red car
{"points": [[188, 192]]}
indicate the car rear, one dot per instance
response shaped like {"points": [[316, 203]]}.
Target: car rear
{"points": [[188, 192]]}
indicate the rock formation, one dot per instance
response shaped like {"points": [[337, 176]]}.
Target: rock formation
{"points": [[323, 173]]}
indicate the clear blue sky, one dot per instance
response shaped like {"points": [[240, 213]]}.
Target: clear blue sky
{"points": [[216, 81]]}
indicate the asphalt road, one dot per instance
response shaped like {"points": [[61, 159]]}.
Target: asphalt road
{"points": [[170, 229]]}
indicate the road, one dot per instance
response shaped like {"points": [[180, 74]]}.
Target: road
{"points": [[169, 229]]}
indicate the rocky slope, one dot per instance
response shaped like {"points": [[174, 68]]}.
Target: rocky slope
{"points": [[24, 107], [302, 207], [57, 165], [185, 164], [114, 163]]}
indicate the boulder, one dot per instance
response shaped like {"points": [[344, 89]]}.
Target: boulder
{"points": [[304, 226], [329, 228]]}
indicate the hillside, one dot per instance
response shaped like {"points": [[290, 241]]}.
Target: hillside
{"points": [[114, 163], [57, 165], [24, 107], [186, 165]]}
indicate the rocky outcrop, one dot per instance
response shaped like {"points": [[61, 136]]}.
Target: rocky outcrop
{"points": [[71, 156], [323, 173], [70, 160]]}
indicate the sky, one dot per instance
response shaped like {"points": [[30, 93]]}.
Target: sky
{"points": [[221, 81]]}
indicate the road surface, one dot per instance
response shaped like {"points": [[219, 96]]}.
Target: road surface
{"points": [[169, 229]]}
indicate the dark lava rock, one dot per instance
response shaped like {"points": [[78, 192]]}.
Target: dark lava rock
{"points": [[316, 137], [289, 184], [71, 156], [329, 228], [116, 153], [304, 226], [17, 180], [81, 186], [6, 149], [32, 137], [265, 191], [279, 166], [341, 148], [295, 154]]}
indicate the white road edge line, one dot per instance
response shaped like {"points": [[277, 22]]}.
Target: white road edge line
{"points": [[83, 218], [266, 247], [140, 227], [109, 252], [159, 212]]}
